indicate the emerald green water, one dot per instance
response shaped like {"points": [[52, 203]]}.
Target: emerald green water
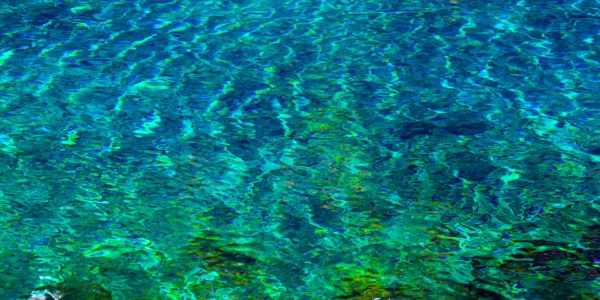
{"points": [[299, 149]]}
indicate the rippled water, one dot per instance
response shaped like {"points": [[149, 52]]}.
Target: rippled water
{"points": [[299, 149]]}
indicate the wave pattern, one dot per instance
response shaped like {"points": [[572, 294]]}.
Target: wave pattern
{"points": [[299, 149]]}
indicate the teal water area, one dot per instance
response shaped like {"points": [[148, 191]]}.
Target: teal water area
{"points": [[299, 149]]}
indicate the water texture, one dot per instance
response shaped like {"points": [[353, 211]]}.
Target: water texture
{"points": [[299, 149]]}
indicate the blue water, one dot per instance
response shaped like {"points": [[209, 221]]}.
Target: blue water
{"points": [[299, 149]]}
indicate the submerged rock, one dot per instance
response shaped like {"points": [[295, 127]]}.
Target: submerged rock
{"points": [[410, 130], [470, 166], [467, 128]]}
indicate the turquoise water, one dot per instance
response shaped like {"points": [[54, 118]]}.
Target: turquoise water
{"points": [[299, 149]]}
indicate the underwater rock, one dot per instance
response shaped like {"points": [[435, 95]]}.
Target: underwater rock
{"points": [[464, 122], [409, 130], [470, 166], [467, 128]]}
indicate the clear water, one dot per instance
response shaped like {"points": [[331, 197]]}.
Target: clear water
{"points": [[299, 149]]}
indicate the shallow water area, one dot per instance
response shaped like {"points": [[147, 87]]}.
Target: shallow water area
{"points": [[299, 149]]}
